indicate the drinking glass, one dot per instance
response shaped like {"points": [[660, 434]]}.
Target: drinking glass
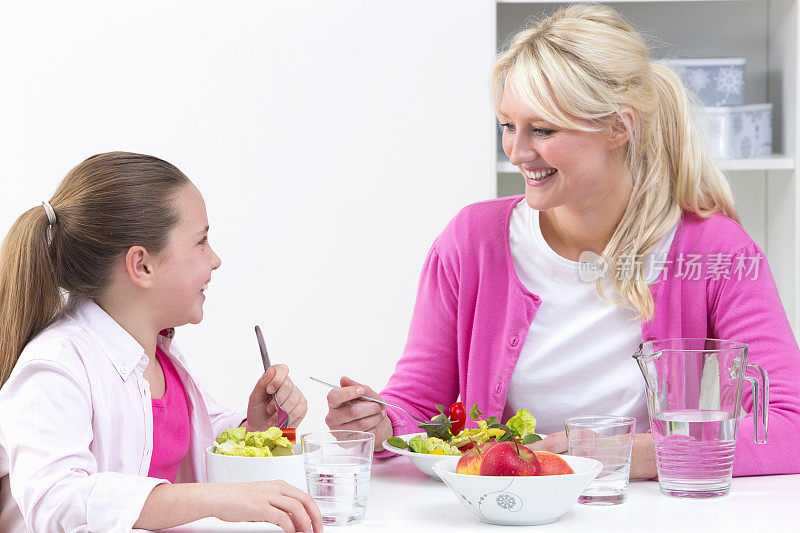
{"points": [[337, 465], [609, 439]]}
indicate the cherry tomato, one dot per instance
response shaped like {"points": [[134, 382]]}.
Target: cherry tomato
{"points": [[290, 433], [458, 416]]}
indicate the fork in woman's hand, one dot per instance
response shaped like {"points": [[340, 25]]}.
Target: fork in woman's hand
{"points": [[387, 404]]}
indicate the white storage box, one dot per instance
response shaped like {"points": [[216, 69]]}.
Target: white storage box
{"points": [[736, 132], [716, 81]]}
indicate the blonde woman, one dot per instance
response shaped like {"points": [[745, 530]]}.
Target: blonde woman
{"points": [[613, 166]]}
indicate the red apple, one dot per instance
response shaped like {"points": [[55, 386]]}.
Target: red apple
{"points": [[509, 459], [470, 462], [552, 464]]}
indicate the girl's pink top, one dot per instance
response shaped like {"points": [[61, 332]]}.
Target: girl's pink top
{"points": [[170, 424], [472, 316]]}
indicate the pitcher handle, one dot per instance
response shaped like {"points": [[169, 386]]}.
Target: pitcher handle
{"points": [[760, 382]]}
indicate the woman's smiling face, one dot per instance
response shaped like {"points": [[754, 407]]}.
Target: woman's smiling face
{"points": [[561, 167]]}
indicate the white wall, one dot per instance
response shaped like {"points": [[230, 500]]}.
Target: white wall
{"points": [[331, 140]]}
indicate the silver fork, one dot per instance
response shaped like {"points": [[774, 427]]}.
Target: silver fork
{"points": [[387, 404], [265, 359]]}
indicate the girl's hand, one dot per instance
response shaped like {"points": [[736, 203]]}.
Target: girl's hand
{"points": [[272, 390], [346, 411], [275, 502], [643, 455]]}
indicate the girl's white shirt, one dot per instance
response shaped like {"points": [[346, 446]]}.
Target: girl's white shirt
{"points": [[577, 358], [76, 427]]}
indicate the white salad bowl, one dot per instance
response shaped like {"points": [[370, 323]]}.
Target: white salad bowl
{"points": [[519, 500], [228, 468], [423, 461]]}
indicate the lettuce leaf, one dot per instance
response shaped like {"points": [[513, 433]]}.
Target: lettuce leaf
{"points": [[521, 424], [234, 434], [419, 445], [241, 443]]}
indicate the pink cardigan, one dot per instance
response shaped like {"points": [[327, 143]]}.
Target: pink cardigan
{"points": [[472, 315]]}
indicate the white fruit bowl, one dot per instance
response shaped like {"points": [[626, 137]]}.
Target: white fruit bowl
{"points": [[228, 468], [519, 500]]}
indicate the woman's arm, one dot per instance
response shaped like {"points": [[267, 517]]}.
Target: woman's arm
{"points": [[643, 454], [427, 372], [749, 310], [275, 502]]}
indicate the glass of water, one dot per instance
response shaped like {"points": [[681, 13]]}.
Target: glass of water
{"points": [[337, 467], [609, 439]]}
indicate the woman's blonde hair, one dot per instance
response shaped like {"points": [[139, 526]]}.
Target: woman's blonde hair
{"points": [[103, 206], [578, 69]]}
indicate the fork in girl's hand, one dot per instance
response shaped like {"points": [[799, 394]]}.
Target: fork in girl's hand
{"points": [[265, 359]]}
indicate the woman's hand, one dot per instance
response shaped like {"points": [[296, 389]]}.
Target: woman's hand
{"points": [[275, 389], [275, 502], [346, 411], [554, 442], [643, 456], [643, 459]]}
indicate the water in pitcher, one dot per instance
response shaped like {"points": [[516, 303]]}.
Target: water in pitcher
{"points": [[340, 486], [694, 451]]}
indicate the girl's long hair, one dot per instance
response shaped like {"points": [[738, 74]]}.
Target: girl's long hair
{"points": [[577, 69], [103, 206]]}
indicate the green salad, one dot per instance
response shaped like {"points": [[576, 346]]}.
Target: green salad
{"points": [[441, 441], [432, 445], [243, 443]]}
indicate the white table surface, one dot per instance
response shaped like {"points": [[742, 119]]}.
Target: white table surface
{"points": [[402, 499]]}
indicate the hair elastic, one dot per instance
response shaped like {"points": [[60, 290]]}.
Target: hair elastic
{"points": [[51, 219], [629, 82]]}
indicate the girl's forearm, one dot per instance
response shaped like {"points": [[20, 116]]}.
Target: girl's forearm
{"points": [[174, 505]]}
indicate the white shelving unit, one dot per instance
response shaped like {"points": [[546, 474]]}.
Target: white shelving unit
{"points": [[765, 33]]}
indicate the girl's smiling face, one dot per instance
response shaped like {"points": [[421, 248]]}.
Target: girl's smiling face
{"points": [[184, 268], [561, 167]]}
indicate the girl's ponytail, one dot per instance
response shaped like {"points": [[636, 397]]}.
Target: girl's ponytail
{"points": [[30, 298], [103, 206]]}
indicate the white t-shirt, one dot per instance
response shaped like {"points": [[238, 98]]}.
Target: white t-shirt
{"points": [[578, 356]]}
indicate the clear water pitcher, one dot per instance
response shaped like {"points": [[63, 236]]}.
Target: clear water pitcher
{"points": [[694, 398]]}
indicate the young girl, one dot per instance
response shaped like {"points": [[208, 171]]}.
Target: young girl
{"points": [[99, 412], [612, 165]]}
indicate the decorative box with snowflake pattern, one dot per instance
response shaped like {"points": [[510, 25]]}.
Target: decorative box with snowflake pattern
{"points": [[739, 132], [716, 81]]}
